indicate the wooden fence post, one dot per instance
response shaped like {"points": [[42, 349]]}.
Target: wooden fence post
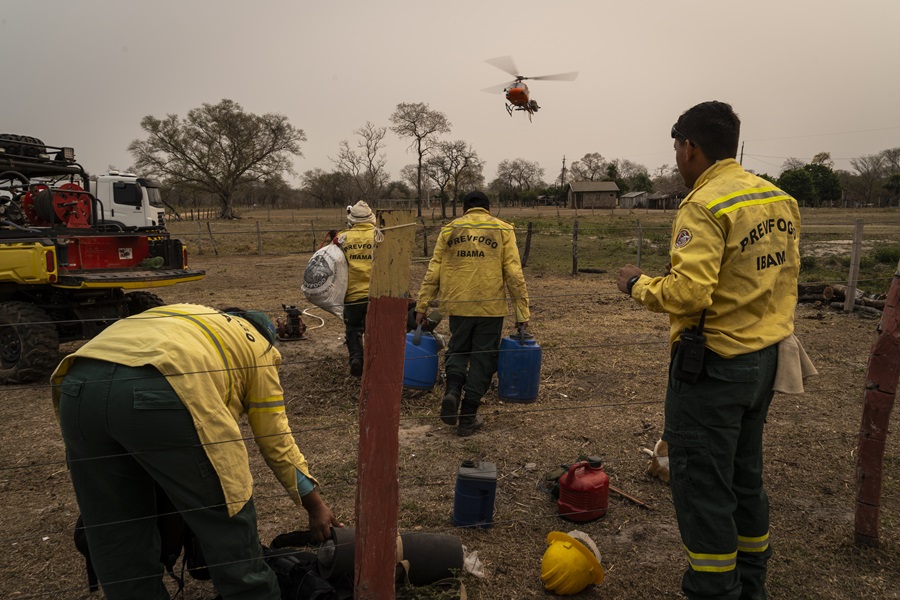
{"points": [[377, 492], [855, 254], [640, 243], [312, 224], [575, 249], [424, 238], [258, 240], [212, 240], [527, 245], [199, 234], [881, 391]]}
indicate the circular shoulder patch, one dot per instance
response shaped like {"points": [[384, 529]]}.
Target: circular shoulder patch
{"points": [[683, 238]]}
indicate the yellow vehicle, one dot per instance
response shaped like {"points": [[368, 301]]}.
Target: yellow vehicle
{"points": [[66, 272]]}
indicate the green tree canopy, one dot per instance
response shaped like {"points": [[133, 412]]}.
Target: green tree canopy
{"points": [[825, 182], [218, 149], [799, 184]]}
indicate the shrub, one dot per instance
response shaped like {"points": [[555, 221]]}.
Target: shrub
{"points": [[887, 254]]}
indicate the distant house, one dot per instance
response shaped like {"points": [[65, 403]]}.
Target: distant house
{"points": [[633, 200], [593, 194], [662, 201]]}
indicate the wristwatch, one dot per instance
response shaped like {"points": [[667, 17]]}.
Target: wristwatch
{"points": [[631, 282]]}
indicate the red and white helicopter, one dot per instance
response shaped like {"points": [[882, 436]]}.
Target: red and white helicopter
{"points": [[517, 95]]}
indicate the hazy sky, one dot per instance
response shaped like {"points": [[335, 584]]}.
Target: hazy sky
{"points": [[804, 76]]}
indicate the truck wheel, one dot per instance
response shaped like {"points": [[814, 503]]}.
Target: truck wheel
{"points": [[28, 343], [138, 302]]}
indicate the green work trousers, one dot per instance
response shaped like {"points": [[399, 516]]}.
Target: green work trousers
{"points": [[355, 326], [714, 430], [125, 428], [472, 354]]}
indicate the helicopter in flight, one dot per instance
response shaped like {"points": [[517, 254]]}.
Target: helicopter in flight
{"points": [[517, 95]]}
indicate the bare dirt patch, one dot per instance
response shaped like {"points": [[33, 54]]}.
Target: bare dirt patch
{"points": [[602, 390]]}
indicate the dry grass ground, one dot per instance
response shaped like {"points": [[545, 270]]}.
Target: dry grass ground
{"points": [[602, 390]]}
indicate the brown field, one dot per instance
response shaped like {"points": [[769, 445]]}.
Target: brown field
{"points": [[602, 389]]}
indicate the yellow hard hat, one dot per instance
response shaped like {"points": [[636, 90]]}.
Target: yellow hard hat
{"points": [[568, 566]]}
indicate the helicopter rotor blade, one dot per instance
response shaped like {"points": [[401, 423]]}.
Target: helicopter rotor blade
{"points": [[497, 89], [570, 76], [504, 63]]}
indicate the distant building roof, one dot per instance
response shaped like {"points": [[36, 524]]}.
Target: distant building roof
{"points": [[594, 186], [633, 194]]}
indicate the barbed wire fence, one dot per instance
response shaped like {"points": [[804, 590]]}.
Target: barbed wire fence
{"points": [[845, 440]]}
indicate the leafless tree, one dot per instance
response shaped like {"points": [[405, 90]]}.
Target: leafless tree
{"points": [[328, 189], [667, 180], [422, 125], [218, 149], [464, 167], [365, 164], [891, 160], [870, 169], [516, 177], [823, 158], [438, 169], [792, 163], [591, 167], [410, 174]]}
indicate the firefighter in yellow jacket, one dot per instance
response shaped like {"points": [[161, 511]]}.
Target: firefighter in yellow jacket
{"points": [[358, 244], [157, 398], [475, 262], [730, 293]]}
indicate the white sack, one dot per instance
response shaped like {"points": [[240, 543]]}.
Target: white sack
{"points": [[325, 279]]}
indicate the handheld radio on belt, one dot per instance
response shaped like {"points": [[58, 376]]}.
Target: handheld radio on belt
{"points": [[690, 353]]}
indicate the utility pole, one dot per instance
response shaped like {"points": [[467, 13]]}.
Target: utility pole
{"points": [[562, 179], [742, 154]]}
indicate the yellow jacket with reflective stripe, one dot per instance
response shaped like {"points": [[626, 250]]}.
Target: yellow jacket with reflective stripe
{"points": [[735, 252], [475, 261], [219, 366], [358, 245]]}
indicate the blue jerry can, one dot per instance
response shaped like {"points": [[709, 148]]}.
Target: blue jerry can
{"points": [[473, 499], [519, 368], [420, 361]]}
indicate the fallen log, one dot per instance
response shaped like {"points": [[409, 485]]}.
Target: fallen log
{"points": [[834, 293], [869, 310], [822, 290]]}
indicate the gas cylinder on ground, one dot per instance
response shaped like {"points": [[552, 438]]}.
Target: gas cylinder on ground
{"points": [[583, 492], [519, 368], [420, 361], [473, 500]]}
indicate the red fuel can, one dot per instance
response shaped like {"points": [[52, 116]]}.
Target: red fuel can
{"points": [[583, 492]]}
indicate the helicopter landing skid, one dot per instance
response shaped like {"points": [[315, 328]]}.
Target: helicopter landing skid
{"points": [[509, 109]]}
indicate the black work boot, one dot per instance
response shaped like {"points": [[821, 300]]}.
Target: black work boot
{"points": [[356, 367], [355, 348], [469, 419], [452, 395]]}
